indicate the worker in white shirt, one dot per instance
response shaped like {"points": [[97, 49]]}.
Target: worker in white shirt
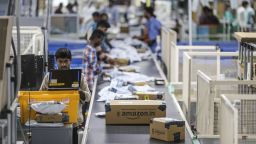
{"points": [[241, 16], [250, 17]]}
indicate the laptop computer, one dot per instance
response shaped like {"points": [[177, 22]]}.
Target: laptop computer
{"points": [[64, 79]]}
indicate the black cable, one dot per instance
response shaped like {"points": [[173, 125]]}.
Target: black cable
{"points": [[13, 48], [29, 111], [11, 7], [15, 64]]}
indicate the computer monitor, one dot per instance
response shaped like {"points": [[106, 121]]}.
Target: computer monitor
{"points": [[64, 79], [31, 71], [64, 25], [5, 45]]}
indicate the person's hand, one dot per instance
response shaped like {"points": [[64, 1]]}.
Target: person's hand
{"points": [[135, 37], [111, 61], [103, 56]]}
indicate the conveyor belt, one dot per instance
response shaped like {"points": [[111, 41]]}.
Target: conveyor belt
{"points": [[98, 132]]}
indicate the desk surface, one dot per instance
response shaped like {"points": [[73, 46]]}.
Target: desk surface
{"points": [[100, 133], [245, 36]]}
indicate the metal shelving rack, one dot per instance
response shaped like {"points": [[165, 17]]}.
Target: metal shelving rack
{"points": [[247, 47], [8, 122]]}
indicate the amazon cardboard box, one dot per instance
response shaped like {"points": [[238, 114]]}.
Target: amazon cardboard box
{"points": [[133, 111], [167, 129]]}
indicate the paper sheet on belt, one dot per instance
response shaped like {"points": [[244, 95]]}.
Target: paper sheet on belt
{"points": [[109, 92]]}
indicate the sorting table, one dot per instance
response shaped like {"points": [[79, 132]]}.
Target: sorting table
{"points": [[98, 132]]}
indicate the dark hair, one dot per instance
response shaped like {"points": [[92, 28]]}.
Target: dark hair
{"points": [[96, 14], [97, 34], [103, 23], [245, 3], [150, 10], [63, 53], [104, 14], [206, 9]]}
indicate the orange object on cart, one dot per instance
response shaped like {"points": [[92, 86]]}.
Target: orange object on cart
{"points": [[70, 98]]}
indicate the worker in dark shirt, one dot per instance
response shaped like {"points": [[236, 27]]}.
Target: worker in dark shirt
{"points": [[59, 9], [208, 18]]}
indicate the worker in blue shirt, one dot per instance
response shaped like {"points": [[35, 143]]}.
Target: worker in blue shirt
{"points": [[152, 29]]}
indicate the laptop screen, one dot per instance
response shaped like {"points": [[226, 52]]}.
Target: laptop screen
{"points": [[64, 79]]}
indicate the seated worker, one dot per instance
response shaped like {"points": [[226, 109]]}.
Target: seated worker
{"points": [[63, 59], [152, 29], [90, 66]]}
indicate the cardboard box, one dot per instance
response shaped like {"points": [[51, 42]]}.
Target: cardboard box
{"points": [[122, 61], [133, 111], [127, 69], [124, 29], [126, 97], [167, 129], [142, 50], [138, 83], [52, 118], [149, 95]]}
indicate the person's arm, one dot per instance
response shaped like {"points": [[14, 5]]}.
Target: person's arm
{"points": [[105, 58], [89, 33], [85, 94], [94, 61], [45, 82], [108, 43], [143, 37], [104, 46]]}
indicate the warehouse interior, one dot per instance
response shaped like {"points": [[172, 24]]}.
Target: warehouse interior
{"points": [[127, 71]]}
